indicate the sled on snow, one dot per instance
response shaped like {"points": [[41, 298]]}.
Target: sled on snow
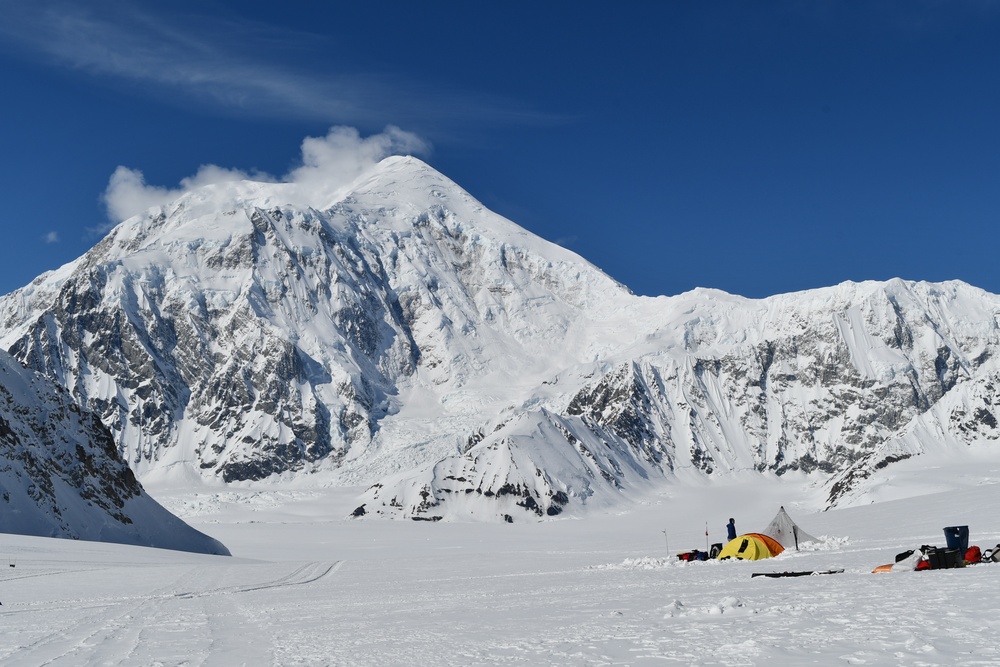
{"points": [[800, 573]]}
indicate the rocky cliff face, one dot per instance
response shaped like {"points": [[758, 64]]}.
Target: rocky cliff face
{"points": [[61, 476], [407, 336], [163, 356]]}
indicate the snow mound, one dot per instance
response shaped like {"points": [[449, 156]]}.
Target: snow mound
{"points": [[639, 563], [728, 606]]}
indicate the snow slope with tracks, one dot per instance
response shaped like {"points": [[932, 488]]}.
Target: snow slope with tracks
{"points": [[307, 587]]}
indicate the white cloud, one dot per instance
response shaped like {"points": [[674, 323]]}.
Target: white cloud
{"points": [[52, 237], [328, 164], [208, 174], [128, 194], [201, 59], [237, 65]]}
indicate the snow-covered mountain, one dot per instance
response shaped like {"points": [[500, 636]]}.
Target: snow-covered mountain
{"points": [[825, 385], [408, 338], [247, 338], [61, 476]]}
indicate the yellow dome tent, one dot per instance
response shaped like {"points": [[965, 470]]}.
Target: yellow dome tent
{"points": [[752, 546]]}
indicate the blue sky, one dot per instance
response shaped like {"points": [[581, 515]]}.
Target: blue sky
{"points": [[754, 147]]}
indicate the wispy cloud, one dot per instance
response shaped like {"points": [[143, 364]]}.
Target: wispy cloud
{"points": [[327, 164], [209, 60], [51, 237]]}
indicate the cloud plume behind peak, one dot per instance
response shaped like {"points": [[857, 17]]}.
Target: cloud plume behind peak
{"points": [[327, 164]]}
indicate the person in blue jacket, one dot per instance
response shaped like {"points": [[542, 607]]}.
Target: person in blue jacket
{"points": [[731, 529]]}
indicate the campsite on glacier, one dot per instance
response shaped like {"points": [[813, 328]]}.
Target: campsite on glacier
{"points": [[306, 586], [596, 579]]}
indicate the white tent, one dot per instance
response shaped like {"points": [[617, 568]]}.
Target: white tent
{"points": [[786, 532]]}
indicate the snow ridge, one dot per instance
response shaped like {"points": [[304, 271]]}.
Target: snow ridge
{"points": [[61, 476]]}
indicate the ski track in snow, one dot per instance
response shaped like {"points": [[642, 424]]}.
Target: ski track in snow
{"points": [[187, 620]]}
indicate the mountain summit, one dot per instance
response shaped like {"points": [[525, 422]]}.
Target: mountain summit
{"points": [[408, 338], [245, 338]]}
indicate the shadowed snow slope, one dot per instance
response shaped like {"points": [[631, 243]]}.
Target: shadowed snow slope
{"points": [[61, 476], [407, 338]]}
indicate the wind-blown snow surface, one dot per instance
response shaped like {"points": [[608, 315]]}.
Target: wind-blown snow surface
{"points": [[307, 587]]}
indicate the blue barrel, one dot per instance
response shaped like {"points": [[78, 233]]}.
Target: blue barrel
{"points": [[957, 538]]}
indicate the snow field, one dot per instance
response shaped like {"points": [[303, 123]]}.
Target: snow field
{"points": [[309, 587]]}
